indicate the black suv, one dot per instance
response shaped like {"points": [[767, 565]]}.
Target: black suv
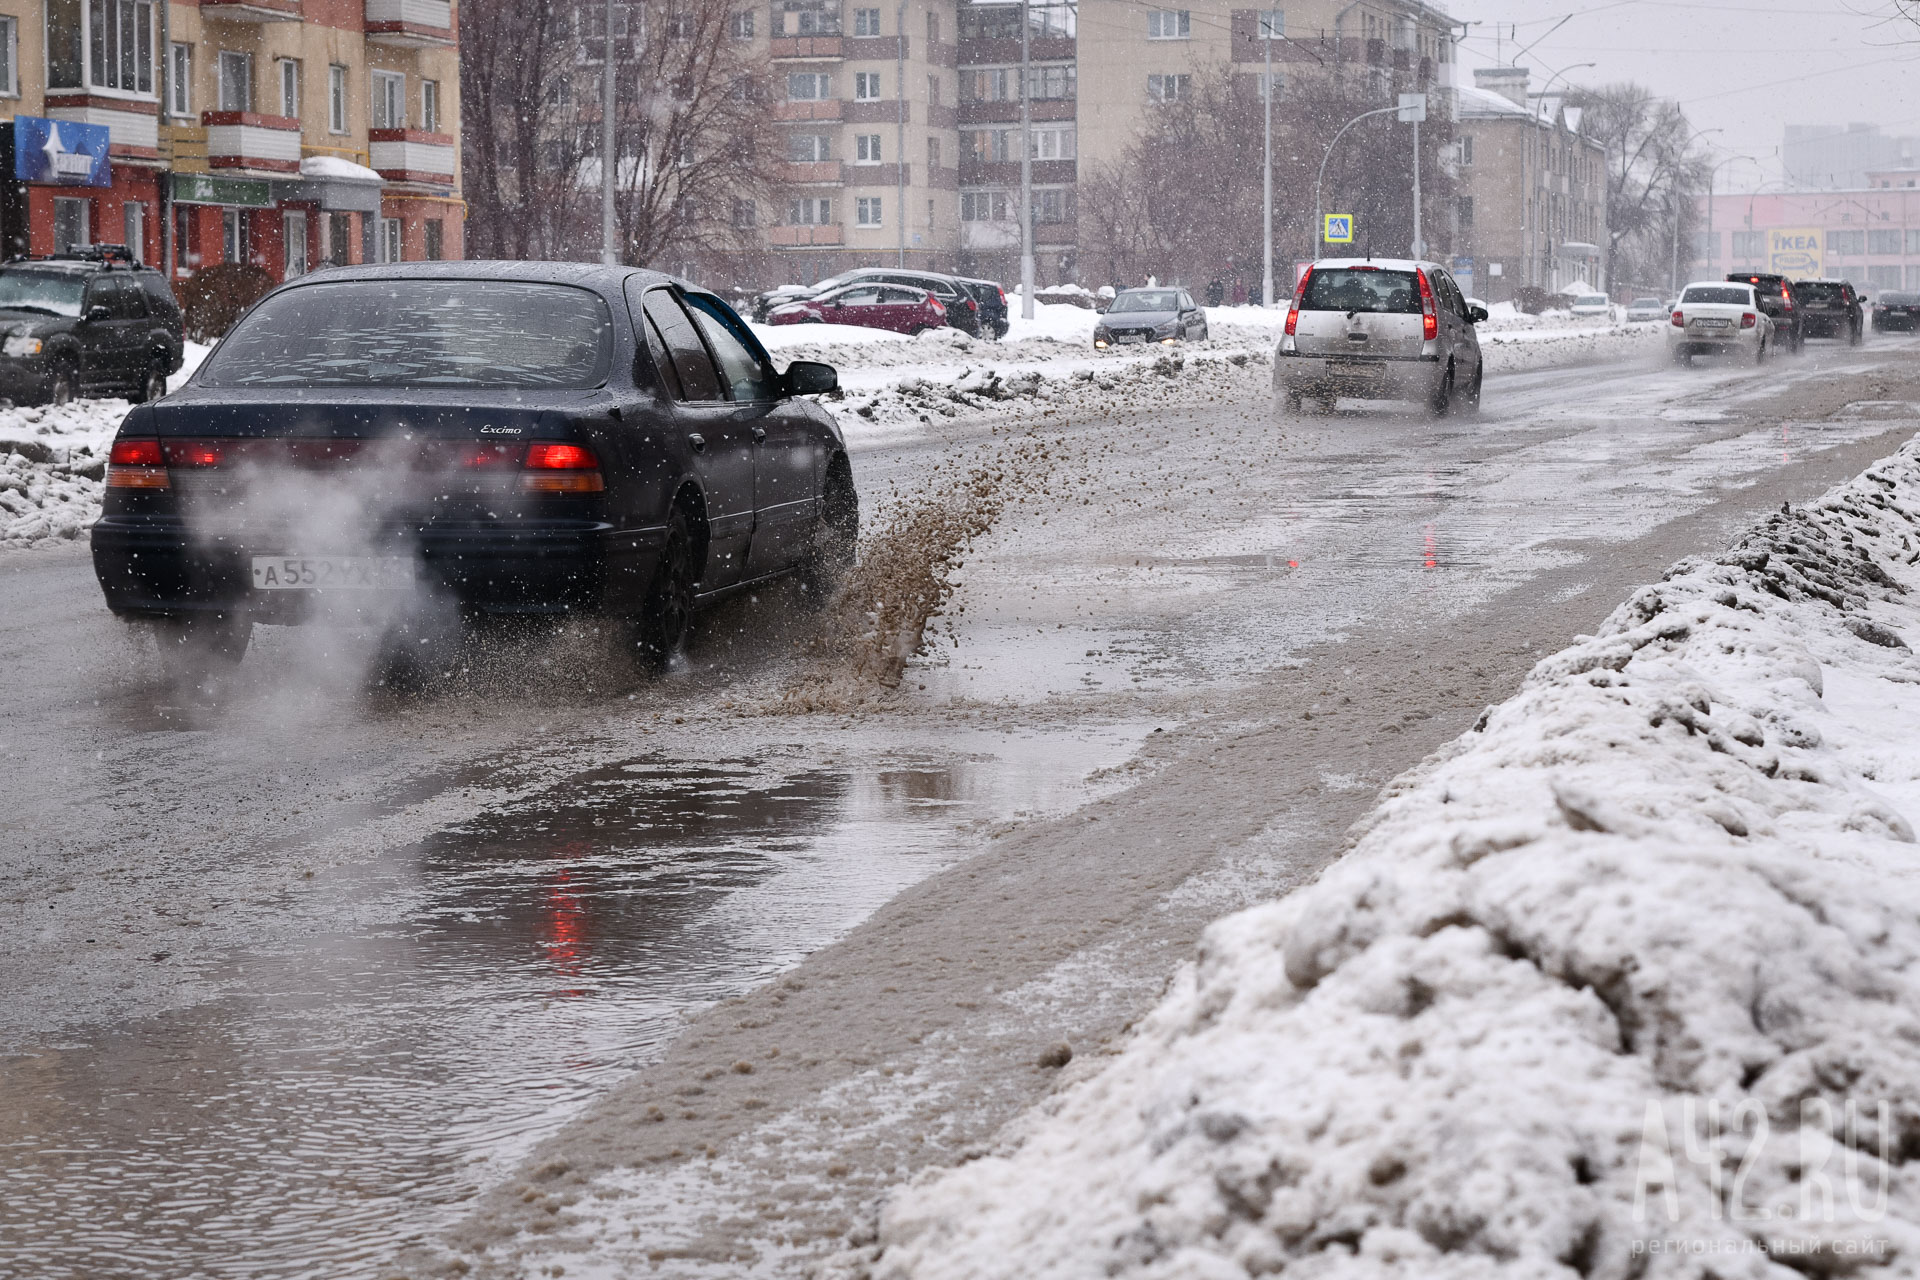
{"points": [[87, 323], [1831, 309], [1779, 298]]}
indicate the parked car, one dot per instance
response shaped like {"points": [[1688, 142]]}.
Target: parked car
{"points": [[510, 438], [1720, 317], [1591, 304], [1380, 329], [871, 306], [1642, 310], [1780, 303], [1831, 309], [962, 309], [992, 298], [87, 323], [1150, 315], [1896, 312]]}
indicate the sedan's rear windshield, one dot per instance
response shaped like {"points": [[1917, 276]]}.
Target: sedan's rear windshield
{"points": [[54, 293], [479, 334], [1899, 299], [1815, 291], [1724, 295], [1354, 289]]}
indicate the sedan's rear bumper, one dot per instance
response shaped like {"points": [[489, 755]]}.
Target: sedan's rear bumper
{"points": [[154, 567], [1702, 342], [1358, 377]]}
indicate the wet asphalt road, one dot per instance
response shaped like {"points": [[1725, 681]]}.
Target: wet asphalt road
{"points": [[294, 974]]}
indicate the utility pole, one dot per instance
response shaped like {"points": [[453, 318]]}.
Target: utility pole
{"points": [[609, 235], [1026, 167], [900, 126], [1266, 205]]}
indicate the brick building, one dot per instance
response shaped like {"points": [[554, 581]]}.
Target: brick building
{"points": [[283, 133]]}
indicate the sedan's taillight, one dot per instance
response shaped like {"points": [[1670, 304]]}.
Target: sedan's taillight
{"points": [[197, 454], [1749, 320], [136, 464], [559, 467], [1679, 320]]}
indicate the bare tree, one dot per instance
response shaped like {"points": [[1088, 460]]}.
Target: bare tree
{"points": [[694, 135], [1654, 178]]}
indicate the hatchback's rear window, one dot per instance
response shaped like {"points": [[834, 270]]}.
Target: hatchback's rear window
{"points": [[1813, 291], [1899, 299], [479, 334], [1727, 295], [1356, 289]]}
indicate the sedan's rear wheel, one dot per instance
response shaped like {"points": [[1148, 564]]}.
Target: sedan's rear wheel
{"points": [[668, 609]]}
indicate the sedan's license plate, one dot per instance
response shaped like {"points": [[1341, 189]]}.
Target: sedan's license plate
{"points": [[1354, 369], [1129, 337], [332, 573], [1713, 324]]}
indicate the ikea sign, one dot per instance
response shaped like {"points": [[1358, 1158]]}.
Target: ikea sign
{"points": [[1794, 252]]}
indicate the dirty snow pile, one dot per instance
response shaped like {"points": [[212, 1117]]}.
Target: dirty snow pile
{"points": [[1625, 981]]}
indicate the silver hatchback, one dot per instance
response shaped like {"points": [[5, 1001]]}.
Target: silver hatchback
{"points": [[1380, 329]]}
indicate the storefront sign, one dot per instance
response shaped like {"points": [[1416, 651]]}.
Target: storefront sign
{"points": [[60, 151], [1794, 252], [203, 188]]}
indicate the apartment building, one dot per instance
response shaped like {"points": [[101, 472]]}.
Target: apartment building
{"points": [[1532, 212], [281, 133], [1096, 69]]}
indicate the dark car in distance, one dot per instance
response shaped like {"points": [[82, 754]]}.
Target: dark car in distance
{"points": [[994, 320], [1780, 301], [501, 439], [1896, 313], [88, 323], [1830, 309], [897, 307]]}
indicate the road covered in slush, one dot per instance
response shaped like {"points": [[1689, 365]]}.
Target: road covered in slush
{"points": [[309, 978]]}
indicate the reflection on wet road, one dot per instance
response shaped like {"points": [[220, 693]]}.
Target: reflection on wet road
{"points": [[367, 1083]]}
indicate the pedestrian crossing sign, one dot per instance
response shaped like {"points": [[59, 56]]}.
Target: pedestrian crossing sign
{"points": [[1339, 228]]}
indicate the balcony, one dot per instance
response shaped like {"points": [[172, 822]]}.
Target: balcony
{"points": [[414, 24], [247, 141], [810, 171], [802, 237], [252, 10], [808, 109], [411, 155], [784, 47]]}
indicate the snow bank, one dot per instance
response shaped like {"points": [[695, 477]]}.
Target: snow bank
{"points": [[1625, 981]]}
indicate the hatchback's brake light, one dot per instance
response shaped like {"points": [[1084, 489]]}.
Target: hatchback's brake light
{"points": [[1786, 294], [561, 467], [1299, 292], [1429, 320], [136, 464]]}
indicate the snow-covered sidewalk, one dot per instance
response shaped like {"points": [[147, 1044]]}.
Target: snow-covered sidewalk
{"points": [[1625, 981]]}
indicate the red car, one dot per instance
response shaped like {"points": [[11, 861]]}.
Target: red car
{"points": [[871, 306]]}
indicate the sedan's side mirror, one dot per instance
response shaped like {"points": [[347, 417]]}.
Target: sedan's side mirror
{"points": [[98, 312], [810, 378], [1476, 314]]}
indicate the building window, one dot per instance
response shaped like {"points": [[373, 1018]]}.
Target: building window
{"points": [[866, 211], [1053, 144], [866, 86], [1913, 279], [133, 229], [866, 148], [293, 229], [866, 22], [1051, 83], [809, 86], [1169, 24], [988, 146], [745, 215], [336, 249], [1883, 277], [933, 154], [807, 148], [986, 206], [386, 241], [933, 28], [1845, 242], [1466, 148], [117, 34], [389, 100], [1053, 204], [1883, 243], [1273, 25], [810, 211], [1464, 207], [10, 57], [1749, 245], [740, 24], [1913, 242], [336, 99], [289, 87], [1169, 88], [233, 236], [180, 80], [434, 231], [186, 239], [430, 105], [70, 224], [808, 19], [933, 89], [987, 84], [236, 81]]}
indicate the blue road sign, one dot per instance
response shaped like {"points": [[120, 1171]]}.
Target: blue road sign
{"points": [[61, 151]]}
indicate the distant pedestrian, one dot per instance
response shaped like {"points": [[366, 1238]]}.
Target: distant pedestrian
{"points": [[1216, 293], [1239, 293]]}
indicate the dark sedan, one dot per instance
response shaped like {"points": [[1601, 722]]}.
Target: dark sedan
{"points": [[1150, 315], [1896, 313], [501, 438]]}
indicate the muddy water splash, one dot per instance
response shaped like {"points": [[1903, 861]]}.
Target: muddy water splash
{"points": [[904, 576]]}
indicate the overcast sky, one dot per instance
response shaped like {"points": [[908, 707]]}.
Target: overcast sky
{"points": [[1745, 67]]}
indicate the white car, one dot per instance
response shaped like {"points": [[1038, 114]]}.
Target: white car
{"points": [[1592, 304], [1719, 317], [1642, 310], [1380, 329]]}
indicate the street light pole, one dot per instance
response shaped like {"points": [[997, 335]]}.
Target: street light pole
{"points": [[1026, 169], [609, 236], [1266, 207]]}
